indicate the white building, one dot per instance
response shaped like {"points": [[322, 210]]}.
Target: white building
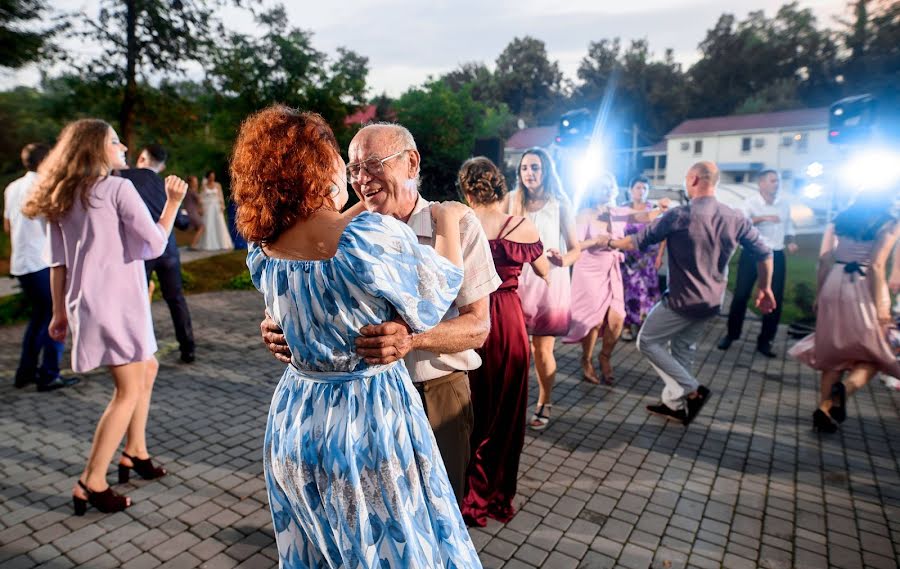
{"points": [[743, 145]]}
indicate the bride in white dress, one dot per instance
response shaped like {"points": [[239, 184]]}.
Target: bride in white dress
{"points": [[215, 235]]}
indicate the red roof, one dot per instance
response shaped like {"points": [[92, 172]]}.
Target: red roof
{"points": [[525, 138], [759, 121], [362, 116]]}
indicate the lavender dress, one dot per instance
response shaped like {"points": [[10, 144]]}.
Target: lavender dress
{"points": [[640, 279], [103, 248]]}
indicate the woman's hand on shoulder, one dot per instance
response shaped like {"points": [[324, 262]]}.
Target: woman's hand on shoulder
{"points": [[449, 211]]}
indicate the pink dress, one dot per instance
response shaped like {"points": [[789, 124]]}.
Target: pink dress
{"points": [[847, 331], [597, 276], [103, 249], [546, 307]]}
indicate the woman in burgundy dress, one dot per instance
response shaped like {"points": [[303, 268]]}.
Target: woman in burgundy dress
{"points": [[500, 385]]}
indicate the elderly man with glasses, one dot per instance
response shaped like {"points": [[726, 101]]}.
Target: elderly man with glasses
{"points": [[384, 172]]}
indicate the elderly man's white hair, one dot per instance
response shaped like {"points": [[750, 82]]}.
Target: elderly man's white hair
{"points": [[400, 133]]}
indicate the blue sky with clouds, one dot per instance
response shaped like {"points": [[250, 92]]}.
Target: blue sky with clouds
{"points": [[408, 40]]}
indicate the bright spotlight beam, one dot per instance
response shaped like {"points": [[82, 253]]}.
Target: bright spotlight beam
{"points": [[591, 164], [873, 169]]}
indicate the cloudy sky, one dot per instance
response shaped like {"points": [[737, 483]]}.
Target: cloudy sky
{"points": [[408, 40]]}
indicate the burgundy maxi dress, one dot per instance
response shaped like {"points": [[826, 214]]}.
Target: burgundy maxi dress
{"points": [[500, 392]]}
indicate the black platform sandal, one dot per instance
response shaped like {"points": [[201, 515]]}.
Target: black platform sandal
{"points": [[107, 501], [822, 423], [838, 409], [142, 466]]}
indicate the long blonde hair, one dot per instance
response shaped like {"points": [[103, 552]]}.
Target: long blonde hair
{"points": [[68, 173]]}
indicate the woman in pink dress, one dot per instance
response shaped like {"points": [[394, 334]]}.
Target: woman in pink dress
{"points": [[598, 299], [540, 198], [100, 234], [853, 306]]}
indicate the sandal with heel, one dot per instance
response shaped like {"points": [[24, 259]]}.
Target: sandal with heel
{"points": [[607, 378], [838, 409], [106, 501], [144, 468], [541, 417]]}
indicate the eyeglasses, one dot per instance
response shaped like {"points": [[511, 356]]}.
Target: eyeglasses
{"points": [[373, 166]]}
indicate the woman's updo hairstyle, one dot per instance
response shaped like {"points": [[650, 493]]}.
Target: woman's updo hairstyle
{"points": [[481, 182]]}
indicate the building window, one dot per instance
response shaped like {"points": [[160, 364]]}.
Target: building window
{"points": [[685, 146], [698, 147], [787, 140], [738, 178], [802, 140], [745, 144], [786, 174], [759, 142]]}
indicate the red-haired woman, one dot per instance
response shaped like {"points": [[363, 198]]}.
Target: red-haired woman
{"points": [[352, 468], [100, 234]]}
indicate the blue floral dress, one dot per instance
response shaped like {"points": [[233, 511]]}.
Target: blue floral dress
{"points": [[354, 475]]}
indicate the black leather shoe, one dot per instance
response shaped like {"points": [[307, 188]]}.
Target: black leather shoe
{"points": [[664, 411], [23, 379], [694, 405], [725, 342], [766, 350], [58, 383], [187, 356]]}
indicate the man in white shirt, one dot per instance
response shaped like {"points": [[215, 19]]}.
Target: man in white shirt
{"points": [[28, 263], [772, 217], [384, 172]]}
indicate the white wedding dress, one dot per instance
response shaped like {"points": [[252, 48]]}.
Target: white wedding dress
{"points": [[215, 235]]}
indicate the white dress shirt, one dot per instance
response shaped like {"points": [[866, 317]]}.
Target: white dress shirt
{"points": [[480, 280], [773, 233], [30, 251]]}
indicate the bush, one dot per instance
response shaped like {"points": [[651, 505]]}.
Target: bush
{"points": [[241, 282], [13, 309]]}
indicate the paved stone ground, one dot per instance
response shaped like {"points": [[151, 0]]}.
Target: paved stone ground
{"points": [[747, 485]]}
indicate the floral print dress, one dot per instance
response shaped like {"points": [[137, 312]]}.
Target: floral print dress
{"points": [[354, 476]]}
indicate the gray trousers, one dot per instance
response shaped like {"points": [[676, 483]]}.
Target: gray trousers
{"points": [[664, 326]]}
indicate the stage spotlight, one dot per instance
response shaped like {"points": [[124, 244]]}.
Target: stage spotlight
{"points": [[815, 170], [813, 191]]}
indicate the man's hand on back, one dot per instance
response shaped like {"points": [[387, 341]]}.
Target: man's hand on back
{"points": [[273, 337], [385, 343]]}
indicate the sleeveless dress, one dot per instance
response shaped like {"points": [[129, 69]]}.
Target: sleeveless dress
{"points": [[847, 331], [354, 475], [546, 307], [597, 278], [215, 235], [500, 392], [640, 279]]}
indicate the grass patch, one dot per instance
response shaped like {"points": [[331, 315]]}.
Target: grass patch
{"points": [[13, 309], [800, 280], [227, 271]]}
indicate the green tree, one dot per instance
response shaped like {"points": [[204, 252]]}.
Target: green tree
{"points": [[25, 33], [478, 76], [787, 47], [143, 37], [445, 123], [527, 81]]}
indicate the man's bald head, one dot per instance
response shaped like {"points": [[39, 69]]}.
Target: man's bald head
{"points": [[701, 179]]}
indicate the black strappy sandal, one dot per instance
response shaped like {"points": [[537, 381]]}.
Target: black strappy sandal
{"points": [[143, 467], [107, 501]]}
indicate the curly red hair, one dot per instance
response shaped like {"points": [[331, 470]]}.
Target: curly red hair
{"points": [[281, 171]]}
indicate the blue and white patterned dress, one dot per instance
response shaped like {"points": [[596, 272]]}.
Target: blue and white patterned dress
{"points": [[354, 475]]}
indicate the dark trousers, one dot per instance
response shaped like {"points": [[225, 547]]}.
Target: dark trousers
{"points": [[746, 279], [448, 405], [168, 271], [37, 341]]}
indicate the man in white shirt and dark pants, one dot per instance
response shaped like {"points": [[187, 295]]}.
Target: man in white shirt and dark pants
{"points": [[771, 215], [29, 264]]}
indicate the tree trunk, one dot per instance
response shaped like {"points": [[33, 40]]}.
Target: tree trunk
{"points": [[129, 100]]}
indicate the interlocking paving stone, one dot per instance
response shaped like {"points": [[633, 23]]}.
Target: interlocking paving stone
{"points": [[748, 484]]}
